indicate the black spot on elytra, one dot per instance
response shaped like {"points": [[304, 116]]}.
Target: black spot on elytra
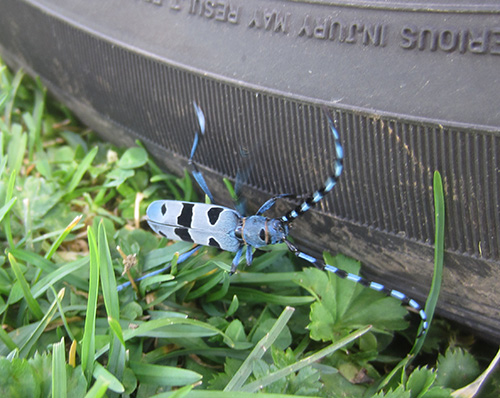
{"points": [[183, 234], [262, 234], [163, 209], [186, 215], [214, 243], [213, 214]]}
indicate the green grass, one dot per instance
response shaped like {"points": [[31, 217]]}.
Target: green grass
{"points": [[68, 201]]}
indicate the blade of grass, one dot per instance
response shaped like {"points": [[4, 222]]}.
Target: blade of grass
{"points": [[35, 141], [150, 329], [208, 352], [284, 372], [220, 293], [112, 304], [259, 279], [61, 237], [88, 341], [58, 241], [58, 370], [34, 259], [41, 326], [5, 338], [6, 207], [187, 184], [16, 148], [8, 197], [108, 280], [164, 255], [116, 329], [165, 328], [437, 278], [435, 286], [99, 389], [3, 101], [28, 296], [16, 82], [225, 394], [63, 316], [49, 267], [206, 287], [230, 189], [181, 392], [113, 383], [81, 170], [58, 274], [173, 265], [163, 375], [3, 159], [257, 296], [183, 279], [260, 349]]}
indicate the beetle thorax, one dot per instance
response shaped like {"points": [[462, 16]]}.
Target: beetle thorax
{"points": [[258, 231]]}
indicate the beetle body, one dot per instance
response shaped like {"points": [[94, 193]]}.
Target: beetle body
{"points": [[227, 229]]}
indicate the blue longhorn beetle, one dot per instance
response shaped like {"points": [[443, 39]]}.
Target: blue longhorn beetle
{"points": [[226, 229]]}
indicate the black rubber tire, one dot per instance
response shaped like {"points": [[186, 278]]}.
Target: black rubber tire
{"points": [[413, 87]]}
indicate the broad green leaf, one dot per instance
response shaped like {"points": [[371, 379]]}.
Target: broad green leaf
{"points": [[43, 366], [17, 379], [343, 305], [399, 392], [235, 333], [118, 177], [77, 383], [42, 195], [473, 388], [279, 374], [420, 381], [456, 368], [282, 342], [133, 158]]}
